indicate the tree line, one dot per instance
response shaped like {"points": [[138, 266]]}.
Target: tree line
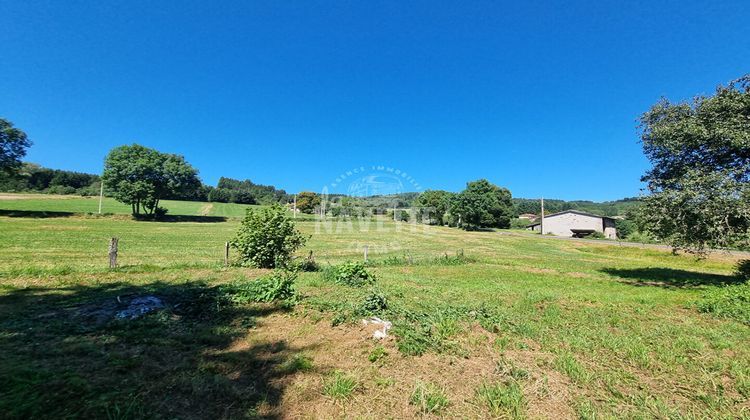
{"points": [[30, 177]]}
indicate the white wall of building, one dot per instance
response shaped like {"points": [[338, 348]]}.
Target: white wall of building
{"points": [[561, 224]]}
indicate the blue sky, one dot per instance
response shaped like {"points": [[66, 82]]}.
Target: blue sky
{"points": [[539, 97]]}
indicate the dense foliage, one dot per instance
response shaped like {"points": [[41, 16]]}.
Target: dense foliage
{"points": [[433, 205], [307, 201], [267, 238], [607, 208], [230, 190], [34, 178], [279, 285], [482, 205], [700, 180], [13, 145], [141, 176], [350, 273]]}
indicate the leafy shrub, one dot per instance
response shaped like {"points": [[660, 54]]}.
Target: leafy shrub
{"points": [[596, 235], [728, 302], [339, 385], [742, 270], [428, 398], [414, 339], [307, 264], [350, 273], [267, 238], [640, 237], [61, 189], [160, 212], [625, 228], [277, 286], [374, 302]]}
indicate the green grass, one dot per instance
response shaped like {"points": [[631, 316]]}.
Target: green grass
{"points": [[75, 204], [429, 398], [503, 399], [625, 332], [339, 385]]}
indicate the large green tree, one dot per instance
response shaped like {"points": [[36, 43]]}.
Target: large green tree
{"points": [[13, 145], [307, 201], [141, 176], [433, 205], [483, 204], [700, 180]]}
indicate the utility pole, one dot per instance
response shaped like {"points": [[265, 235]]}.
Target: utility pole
{"points": [[541, 222], [101, 194], [295, 206]]}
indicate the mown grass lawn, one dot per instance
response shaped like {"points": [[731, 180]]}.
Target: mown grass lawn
{"points": [[520, 327]]}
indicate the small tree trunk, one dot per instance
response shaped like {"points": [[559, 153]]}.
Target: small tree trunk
{"points": [[113, 252]]}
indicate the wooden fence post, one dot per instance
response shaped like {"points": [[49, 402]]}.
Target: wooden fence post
{"points": [[365, 253], [113, 252], [226, 254]]}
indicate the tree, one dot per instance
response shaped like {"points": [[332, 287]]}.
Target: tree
{"points": [[220, 195], [13, 145], [432, 206], [699, 183], [307, 201], [483, 204], [267, 238], [141, 176]]}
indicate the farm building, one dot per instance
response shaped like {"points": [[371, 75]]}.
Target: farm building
{"points": [[527, 216], [576, 223]]}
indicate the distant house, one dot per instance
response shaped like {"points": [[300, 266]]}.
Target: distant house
{"points": [[577, 224], [527, 216]]}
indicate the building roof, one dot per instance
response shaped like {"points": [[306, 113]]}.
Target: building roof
{"points": [[582, 213]]}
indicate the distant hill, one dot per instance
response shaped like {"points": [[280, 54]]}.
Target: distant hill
{"points": [[606, 208], [522, 205]]}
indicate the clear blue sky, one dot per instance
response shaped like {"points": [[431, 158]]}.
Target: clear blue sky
{"points": [[539, 97]]}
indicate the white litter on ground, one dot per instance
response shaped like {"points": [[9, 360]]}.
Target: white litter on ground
{"points": [[378, 334], [139, 306]]}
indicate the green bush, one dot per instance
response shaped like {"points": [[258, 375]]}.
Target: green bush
{"points": [[307, 264], [277, 286], [640, 237], [350, 273], [267, 238], [375, 302], [742, 270], [728, 302], [625, 228], [596, 235]]}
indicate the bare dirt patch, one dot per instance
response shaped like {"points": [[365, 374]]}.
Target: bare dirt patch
{"points": [[384, 387]]}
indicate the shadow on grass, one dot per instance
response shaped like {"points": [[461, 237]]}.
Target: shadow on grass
{"points": [[181, 218], [43, 214], [669, 277], [64, 354], [36, 214]]}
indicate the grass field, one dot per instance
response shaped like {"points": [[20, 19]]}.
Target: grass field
{"points": [[521, 327], [76, 204]]}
